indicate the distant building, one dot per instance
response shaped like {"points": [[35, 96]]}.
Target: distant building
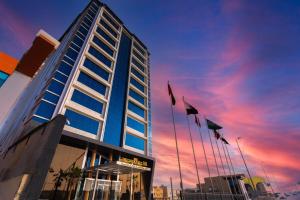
{"points": [[160, 193], [7, 67]]}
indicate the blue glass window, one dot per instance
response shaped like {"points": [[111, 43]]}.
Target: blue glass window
{"points": [[105, 36], [136, 109], [45, 109], [105, 25], [96, 69], [137, 84], [100, 56], [51, 97], [92, 83], [137, 74], [103, 46], [138, 56], [77, 40], [59, 76], [87, 21], [136, 96], [135, 142], [83, 31], [111, 21], [136, 63], [81, 122], [139, 49], [87, 101], [77, 48], [56, 87], [93, 5], [65, 68], [69, 60], [92, 13], [136, 125], [38, 119], [72, 54], [3, 77]]}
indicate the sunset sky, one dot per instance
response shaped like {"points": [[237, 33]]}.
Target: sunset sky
{"points": [[238, 62]]}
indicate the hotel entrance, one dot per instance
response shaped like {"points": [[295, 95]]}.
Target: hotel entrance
{"points": [[125, 179]]}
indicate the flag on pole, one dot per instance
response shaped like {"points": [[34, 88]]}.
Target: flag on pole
{"points": [[190, 110], [224, 140], [217, 134], [213, 126], [173, 100], [197, 121]]}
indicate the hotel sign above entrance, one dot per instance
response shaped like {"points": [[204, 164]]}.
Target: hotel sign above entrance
{"points": [[134, 163]]}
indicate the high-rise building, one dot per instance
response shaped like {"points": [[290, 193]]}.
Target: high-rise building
{"points": [[99, 79]]}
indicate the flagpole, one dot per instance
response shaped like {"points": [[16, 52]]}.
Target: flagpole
{"points": [[229, 168], [233, 170], [196, 166], [267, 177], [206, 161], [177, 152], [171, 188], [223, 166], [212, 147], [254, 189]]}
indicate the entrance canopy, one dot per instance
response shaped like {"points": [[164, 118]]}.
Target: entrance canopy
{"points": [[118, 168]]}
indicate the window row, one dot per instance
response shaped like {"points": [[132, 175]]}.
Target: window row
{"points": [[135, 142], [87, 101]]}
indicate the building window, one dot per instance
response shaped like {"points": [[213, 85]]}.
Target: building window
{"points": [[137, 74], [77, 40], [45, 109], [3, 77], [38, 119], [60, 77], [100, 56], [136, 125], [103, 46], [72, 54], [87, 101], [65, 68], [138, 56], [137, 96], [137, 84], [139, 48], [51, 97], [136, 109], [81, 122], [105, 36], [96, 69], [135, 142], [111, 21], [107, 27], [92, 83], [56, 87], [138, 65]]}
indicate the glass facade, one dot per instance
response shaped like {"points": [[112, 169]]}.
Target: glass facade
{"points": [[115, 119], [87, 101], [135, 124], [136, 109], [82, 122], [135, 142], [96, 69], [3, 77], [137, 74], [107, 27], [137, 96], [137, 85], [138, 65], [97, 54], [64, 68], [103, 46], [92, 83], [106, 36]]}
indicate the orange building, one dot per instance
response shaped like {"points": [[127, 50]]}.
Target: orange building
{"points": [[7, 66]]}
